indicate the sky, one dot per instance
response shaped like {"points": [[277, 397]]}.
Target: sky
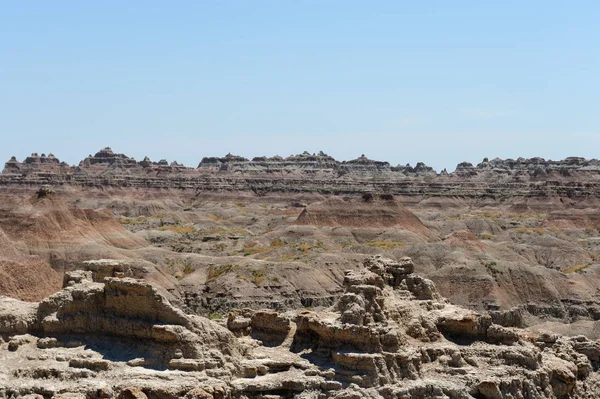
{"points": [[403, 81]]}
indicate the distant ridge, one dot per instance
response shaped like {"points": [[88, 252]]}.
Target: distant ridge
{"points": [[317, 172]]}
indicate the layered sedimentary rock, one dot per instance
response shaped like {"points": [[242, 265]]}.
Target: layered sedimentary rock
{"points": [[123, 309], [390, 336], [316, 173], [36, 164], [45, 225], [25, 276], [515, 238], [96, 339], [369, 211]]}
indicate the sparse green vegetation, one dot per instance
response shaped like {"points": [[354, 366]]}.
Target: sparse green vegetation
{"points": [[176, 264], [187, 269], [277, 243], [140, 219], [529, 230], [526, 216], [220, 247], [293, 257], [258, 276], [385, 244], [490, 266], [252, 248], [132, 221], [214, 272], [496, 215], [577, 268], [488, 215], [215, 316], [305, 246], [238, 231], [214, 217], [178, 229]]}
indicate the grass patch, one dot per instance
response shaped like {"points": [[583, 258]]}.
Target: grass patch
{"points": [[258, 276], [252, 248], [577, 268], [526, 216], [490, 265], [277, 243], [289, 258], [489, 215], [529, 230], [214, 217], [132, 221], [305, 247], [238, 231], [187, 269], [385, 244], [177, 263], [220, 247], [178, 229], [214, 272], [215, 316]]}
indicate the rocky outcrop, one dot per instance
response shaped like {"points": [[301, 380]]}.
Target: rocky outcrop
{"points": [[370, 339], [384, 339], [39, 164], [107, 158], [310, 173], [128, 310]]}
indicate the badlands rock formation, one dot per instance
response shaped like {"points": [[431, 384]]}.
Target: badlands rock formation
{"points": [[274, 248], [369, 211], [315, 173], [390, 335], [25, 276], [518, 236]]}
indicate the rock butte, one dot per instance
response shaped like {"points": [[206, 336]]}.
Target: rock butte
{"points": [[265, 278]]}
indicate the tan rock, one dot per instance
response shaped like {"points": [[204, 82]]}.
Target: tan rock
{"points": [[132, 393]]}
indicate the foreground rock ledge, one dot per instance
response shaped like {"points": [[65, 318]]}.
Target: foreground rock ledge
{"points": [[390, 335]]}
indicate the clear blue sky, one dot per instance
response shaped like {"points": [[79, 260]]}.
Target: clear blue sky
{"points": [[403, 81]]}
